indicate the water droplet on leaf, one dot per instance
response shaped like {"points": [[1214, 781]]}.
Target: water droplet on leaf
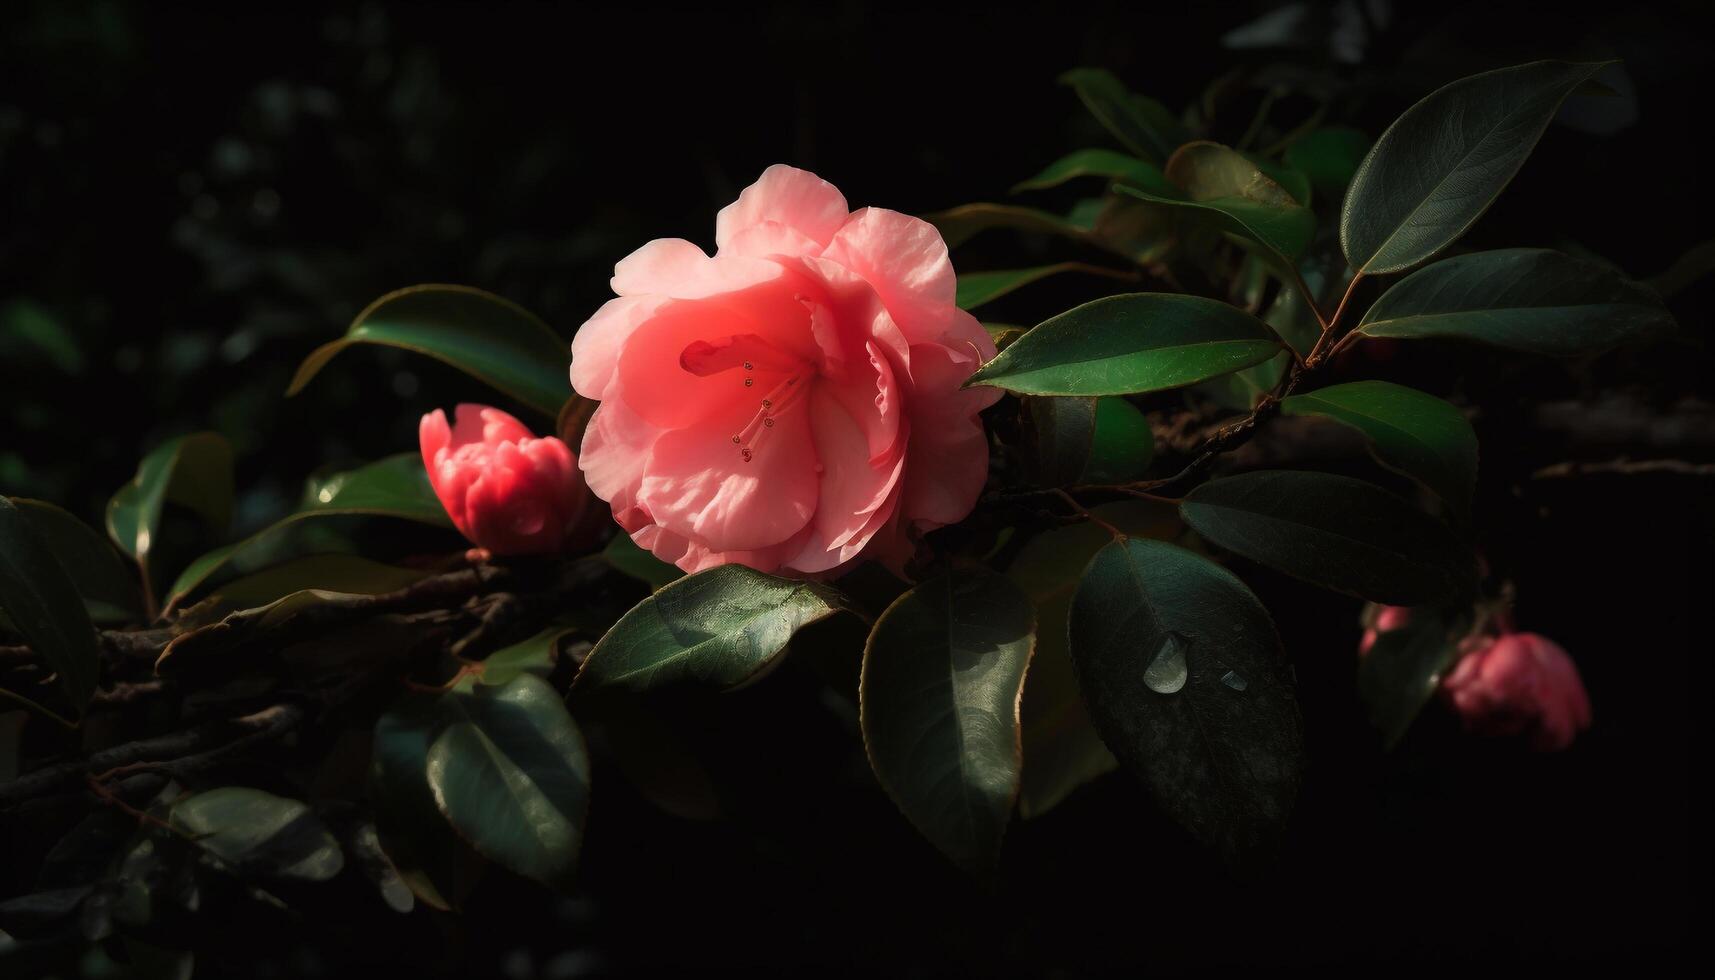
{"points": [[1167, 671]]}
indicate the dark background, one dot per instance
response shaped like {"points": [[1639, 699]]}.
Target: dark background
{"points": [[193, 197]]}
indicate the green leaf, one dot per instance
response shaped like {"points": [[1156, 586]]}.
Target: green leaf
{"points": [[397, 486], [1333, 531], [1123, 444], [534, 656], [193, 471], [977, 288], [1003, 334], [1409, 432], [492, 339], [1129, 344], [1182, 674], [508, 769], [1060, 433], [628, 559], [961, 224], [40, 599], [1141, 124], [436, 863], [1529, 299], [1061, 748], [1096, 163], [108, 588], [1225, 190], [1329, 157], [259, 833], [943, 672], [1435, 171], [718, 628], [1400, 672]]}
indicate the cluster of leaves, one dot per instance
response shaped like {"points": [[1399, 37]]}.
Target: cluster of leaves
{"points": [[1033, 653]]}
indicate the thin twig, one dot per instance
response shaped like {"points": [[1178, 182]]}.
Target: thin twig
{"points": [[1625, 467]]}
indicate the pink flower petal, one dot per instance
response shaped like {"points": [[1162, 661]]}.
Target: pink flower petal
{"points": [[784, 195]]}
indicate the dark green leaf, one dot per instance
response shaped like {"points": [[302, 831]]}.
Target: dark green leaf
{"points": [[1400, 672], [1123, 445], [1435, 171], [43, 604], [534, 655], [1227, 191], [508, 769], [347, 574], [1529, 299], [1061, 748], [108, 588], [435, 862], [626, 557], [1096, 163], [1329, 157], [1182, 674], [193, 471], [942, 675], [256, 832], [1409, 432], [1334, 531], [1127, 344], [1060, 432], [492, 339], [718, 628], [1141, 124], [397, 486]]}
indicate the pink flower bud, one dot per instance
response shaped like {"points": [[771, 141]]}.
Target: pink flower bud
{"points": [[1520, 684], [1387, 619], [506, 490]]}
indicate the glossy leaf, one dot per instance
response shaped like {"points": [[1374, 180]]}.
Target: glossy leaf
{"points": [[1061, 748], [1096, 163], [192, 471], [533, 655], [1409, 432], [1329, 157], [1128, 344], [1123, 444], [509, 770], [397, 486], [1435, 171], [718, 628], [256, 832], [943, 672], [1182, 674], [492, 339], [436, 863], [1227, 191], [1334, 531], [43, 605], [108, 588], [1141, 124], [1401, 671], [1529, 299]]}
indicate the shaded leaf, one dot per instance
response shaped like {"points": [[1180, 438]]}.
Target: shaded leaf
{"points": [[256, 832], [43, 605], [1409, 432], [1333, 531], [1182, 674], [108, 588], [490, 338], [1096, 163], [1227, 191], [1529, 299], [534, 655], [508, 769], [193, 471], [1402, 669], [1128, 344], [1141, 124], [626, 557], [1329, 157], [718, 628], [977, 288], [1435, 171], [961, 224], [943, 672]]}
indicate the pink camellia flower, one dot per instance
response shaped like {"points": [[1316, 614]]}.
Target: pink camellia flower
{"points": [[505, 489], [1521, 683], [1387, 619], [793, 401]]}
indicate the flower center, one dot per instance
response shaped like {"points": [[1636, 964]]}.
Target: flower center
{"points": [[780, 399]]}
